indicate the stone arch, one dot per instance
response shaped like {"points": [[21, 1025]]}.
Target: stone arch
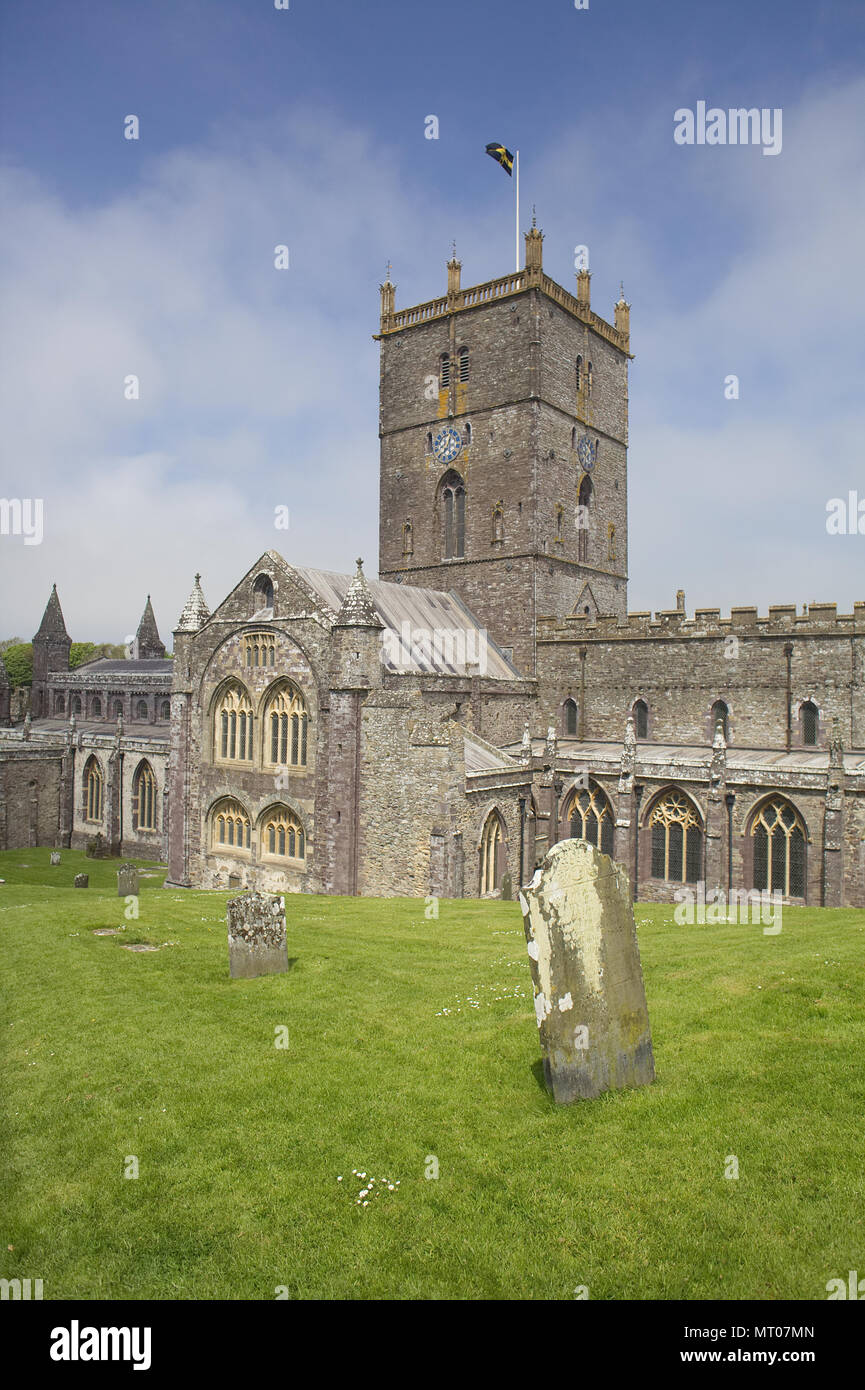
{"points": [[587, 813], [492, 846], [777, 842]]}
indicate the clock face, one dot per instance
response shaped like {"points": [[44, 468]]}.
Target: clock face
{"points": [[447, 445], [586, 452]]}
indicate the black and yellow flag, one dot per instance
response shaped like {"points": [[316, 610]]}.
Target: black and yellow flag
{"points": [[502, 156]]}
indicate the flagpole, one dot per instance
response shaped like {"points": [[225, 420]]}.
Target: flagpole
{"points": [[517, 163]]}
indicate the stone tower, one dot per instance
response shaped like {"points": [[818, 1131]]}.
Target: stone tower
{"points": [[503, 426], [51, 647]]}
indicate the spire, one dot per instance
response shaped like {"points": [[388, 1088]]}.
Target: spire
{"points": [[358, 609], [148, 646], [195, 612], [52, 625]]}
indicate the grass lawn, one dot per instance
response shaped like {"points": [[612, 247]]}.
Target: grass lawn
{"points": [[110, 1054]]}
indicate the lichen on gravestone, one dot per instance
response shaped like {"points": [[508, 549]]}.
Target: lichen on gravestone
{"points": [[256, 935], [590, 1001]]}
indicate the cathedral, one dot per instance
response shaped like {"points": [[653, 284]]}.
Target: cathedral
{"points": [[433, 731]]}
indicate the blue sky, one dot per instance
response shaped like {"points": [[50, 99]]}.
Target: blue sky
{"points": [[306, 127]]}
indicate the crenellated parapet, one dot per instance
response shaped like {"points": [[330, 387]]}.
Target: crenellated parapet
{"points": [[782, 620]]}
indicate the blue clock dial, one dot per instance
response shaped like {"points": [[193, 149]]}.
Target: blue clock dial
{"points": [[447, 445], [587, 452]]}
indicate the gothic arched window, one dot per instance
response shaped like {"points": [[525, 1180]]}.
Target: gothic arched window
{"points": [[492, 853], [721, 715], [282, 834], [641, 719], [498, 524], [444, 371], [677, 839], [810, 723], [570, 717], [144, 798], [92, 790], [232, 725], [229, 826], [464, 364], [59, 704], [407, 539], [453, 500], [590, 817], [468, 436], [779, 848], [579, 375], [286, 727], [165, 709], [96, 707], [75, 704], [141, 709], [584, 509]]}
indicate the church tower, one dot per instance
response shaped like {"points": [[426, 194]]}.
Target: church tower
{"points": [[504, 429]]}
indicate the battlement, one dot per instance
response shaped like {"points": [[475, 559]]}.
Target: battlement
{"points": [[532, 277], [783, 620]]}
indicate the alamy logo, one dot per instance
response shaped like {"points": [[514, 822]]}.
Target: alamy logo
{"points": [[697, 907], [22, 516], [846, 516], [738, 126], [75, 1343], [854, 1287], [426, 648], [20, 1289]]}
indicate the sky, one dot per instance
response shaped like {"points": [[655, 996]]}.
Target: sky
{"points": [[305, 127]]}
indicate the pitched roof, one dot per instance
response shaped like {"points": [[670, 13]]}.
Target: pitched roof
{"points": [[425, 631]]}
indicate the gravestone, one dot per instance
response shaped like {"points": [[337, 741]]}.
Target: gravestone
{"points": [[55, 857], [256, 935], [590, 1002], [127, 881], [507, 888], [96, 847], [82, 881]]}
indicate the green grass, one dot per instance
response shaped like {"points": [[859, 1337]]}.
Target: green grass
{"points": [[108, 1053]]}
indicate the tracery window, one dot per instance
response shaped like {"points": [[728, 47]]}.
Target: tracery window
{"points": [[779, 848], [286, 724], [230, 826], [92, 790], [590, 817], [492, 849], [144, 798], [282, 834], [677, 839], [233, 724], [260, 649], [453, 495]]}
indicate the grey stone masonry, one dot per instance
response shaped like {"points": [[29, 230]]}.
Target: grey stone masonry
{"points": [[590, 1002], [127, 881], [256, 935]]}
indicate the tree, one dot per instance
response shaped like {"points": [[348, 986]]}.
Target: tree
{"points": [[80, 652], [18, 660]]}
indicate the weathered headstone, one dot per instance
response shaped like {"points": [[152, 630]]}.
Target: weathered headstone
{"points": [[127, 881], [256, 935], [507, 888], [590, 1002], [82, 881], [55, 857], [96, 847]]}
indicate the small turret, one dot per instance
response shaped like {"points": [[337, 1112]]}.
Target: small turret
{"points": [[147, 645], [195, 612], [50, 652]]}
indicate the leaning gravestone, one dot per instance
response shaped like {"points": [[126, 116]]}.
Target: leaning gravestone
{"points": [[256, 935], [82, 881], [55, 857], [127, 881], [590, 1001]]}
